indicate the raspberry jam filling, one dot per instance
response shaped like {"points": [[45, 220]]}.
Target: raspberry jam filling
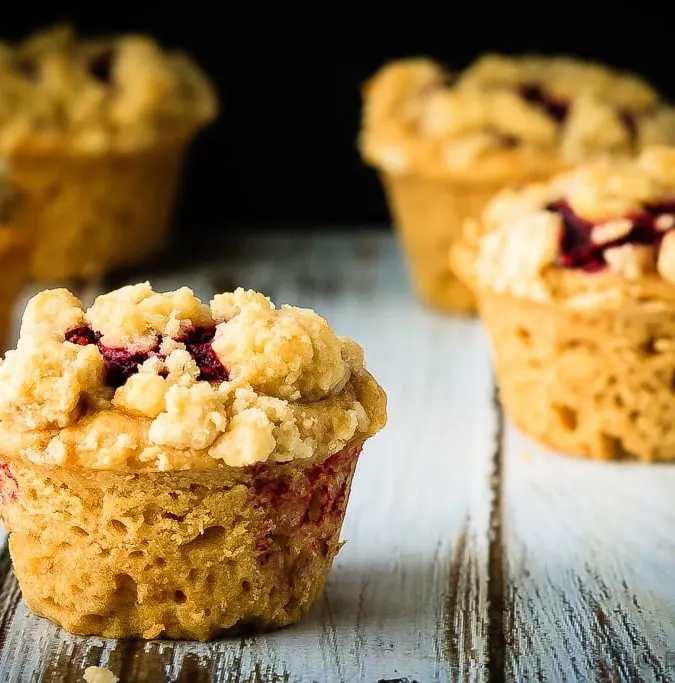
{"points": [[578, 251], [198, 343], [120, 363], [310, 506]]}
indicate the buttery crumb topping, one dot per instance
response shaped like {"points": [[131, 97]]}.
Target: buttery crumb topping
{"points": [[162, 381], [90, 96], [97, 674], [508, 115], [607, 225]]}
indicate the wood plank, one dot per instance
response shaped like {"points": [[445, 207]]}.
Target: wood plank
{"points": [[590, 565], [407, 598]]}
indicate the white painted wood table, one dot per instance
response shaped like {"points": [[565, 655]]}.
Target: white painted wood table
{"points": [[472, 554]]}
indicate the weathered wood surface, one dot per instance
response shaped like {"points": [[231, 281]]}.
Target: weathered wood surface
{"points": [[407, 598], [590, 560], [472, 553]]}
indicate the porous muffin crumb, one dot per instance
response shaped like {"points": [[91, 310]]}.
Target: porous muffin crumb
{"points": [[147, 380]]}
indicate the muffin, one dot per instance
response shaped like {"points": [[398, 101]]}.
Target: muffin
{"points": [[575, 281], [96, 131], [174, 469], [444, 144], [14, 248]]}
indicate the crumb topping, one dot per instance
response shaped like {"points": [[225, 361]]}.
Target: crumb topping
{"points": [[162, 381], [97, 674], [91, 96], [526, 111], [603, 220]]}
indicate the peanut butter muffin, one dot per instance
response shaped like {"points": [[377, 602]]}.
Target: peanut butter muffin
{"points": [[575, 280], [14, 247], [445, 143], [173, 469], [97, 130]]}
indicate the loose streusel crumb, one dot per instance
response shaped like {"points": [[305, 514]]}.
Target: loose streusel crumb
{"points": [[97, 95], [666, 261], [161, 381], [665, 221], [507, 116], [97, 674], [590, 236], [611, 231], [631, 260]]}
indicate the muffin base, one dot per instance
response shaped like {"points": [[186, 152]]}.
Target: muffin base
{"points": [[99, 212], [588, 382], [188, 554], [429, 215]]}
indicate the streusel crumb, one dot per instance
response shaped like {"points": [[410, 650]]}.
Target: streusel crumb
{"points": [[161, 381], [92, 96], [508, 115], [589, 236], [97, 674]]}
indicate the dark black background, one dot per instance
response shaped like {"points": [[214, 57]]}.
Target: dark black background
{"points": [[283, 150]]}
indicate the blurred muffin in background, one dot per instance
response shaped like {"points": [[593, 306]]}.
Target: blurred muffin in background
{"points": [[575, 279], [96, 131], [444, 144], [14, 248]]}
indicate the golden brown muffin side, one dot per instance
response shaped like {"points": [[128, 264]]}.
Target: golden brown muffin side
{"points": [[189, 555]]}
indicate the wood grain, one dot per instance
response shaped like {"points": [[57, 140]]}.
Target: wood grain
{"points": [[407, 599], [590, 557]]}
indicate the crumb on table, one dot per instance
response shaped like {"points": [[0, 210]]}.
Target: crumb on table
{"points": [[97, 674]]}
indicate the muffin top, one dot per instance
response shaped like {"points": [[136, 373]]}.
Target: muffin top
{"points": [[162, 381], [92, 96], [599, 235], [507, 117]]}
